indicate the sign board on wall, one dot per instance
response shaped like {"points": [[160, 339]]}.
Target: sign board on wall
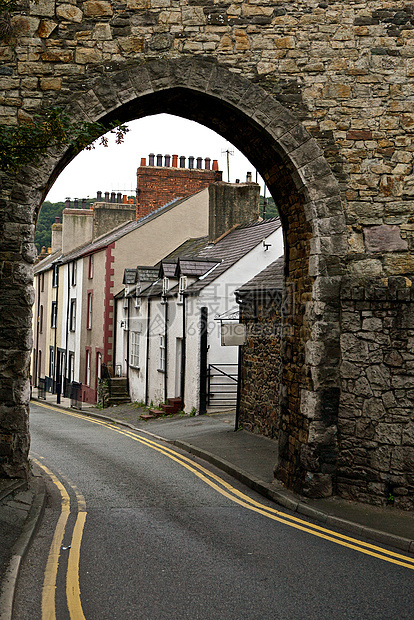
{"points": [[233, 334]]}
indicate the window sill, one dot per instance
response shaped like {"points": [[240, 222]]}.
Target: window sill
{"points": [[160, 370]]}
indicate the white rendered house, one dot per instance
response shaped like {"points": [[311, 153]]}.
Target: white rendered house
{"points": [[170, 331]]}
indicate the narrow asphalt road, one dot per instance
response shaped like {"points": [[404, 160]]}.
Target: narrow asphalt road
{"points": [[139, 530]]}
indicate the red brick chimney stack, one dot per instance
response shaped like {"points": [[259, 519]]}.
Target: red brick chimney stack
{"points": [[158, 184]]}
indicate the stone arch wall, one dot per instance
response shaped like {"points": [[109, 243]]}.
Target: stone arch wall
{"points": [[205, 92], [318, 96]]}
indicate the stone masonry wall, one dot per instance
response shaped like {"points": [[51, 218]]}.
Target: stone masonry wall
{"points": [[261, 367], [319, 96], [376, 419]]}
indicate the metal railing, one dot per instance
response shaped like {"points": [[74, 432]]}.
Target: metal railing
{"points": [[222, 382]]}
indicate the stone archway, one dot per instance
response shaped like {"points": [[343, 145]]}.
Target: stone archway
{"points": [[309, 201]]}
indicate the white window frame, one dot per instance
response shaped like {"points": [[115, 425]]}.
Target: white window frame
{"points": [[55, 276], [72, 315], [89, 311], [53, 316], [90, 266], [162, 352], [182, 285], [134, 349], [88, 367], [74, 273]]}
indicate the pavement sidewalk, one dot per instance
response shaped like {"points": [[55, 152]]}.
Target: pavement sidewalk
{"points": [[248, 457]]}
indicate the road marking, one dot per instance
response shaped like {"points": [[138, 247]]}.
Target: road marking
{"points": [[49, 582], [72, 572], [244, 500]]}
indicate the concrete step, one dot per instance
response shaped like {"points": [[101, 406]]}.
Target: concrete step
{"points": [[157, 412]]}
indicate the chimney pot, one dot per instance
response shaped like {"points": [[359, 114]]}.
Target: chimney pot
{"points": [[125, 199], [119, 197], [174, 161], [106, 196], [208, 163], [191, 162], [237, 180], [83, 203], [215, 165], [76, 203], [112, 196], [249, 177], [57, 219], [67, 203], [199, 163], [167, 159], [151, 157], [143, 161], [182, 161], [159, 159], [99, 196]]}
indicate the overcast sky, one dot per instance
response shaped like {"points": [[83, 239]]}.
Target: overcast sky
{"points": [[114, 168]]}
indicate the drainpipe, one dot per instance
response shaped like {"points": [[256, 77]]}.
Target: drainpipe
{"points": [[67, 320], [203, 360], [127, 359], [166, 349], [35, 369], [114, 334], [182, 382], [239, 367], [55, 369], [148, 350]]}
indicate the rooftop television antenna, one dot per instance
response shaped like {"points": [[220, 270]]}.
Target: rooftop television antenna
{"points": [[228, 153]]}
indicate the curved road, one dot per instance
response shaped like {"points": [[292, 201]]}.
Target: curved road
{"points": [[134, 529]]}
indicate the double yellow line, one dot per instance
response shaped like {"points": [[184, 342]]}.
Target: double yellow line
{"points": [[227, 490], [72, 573]]}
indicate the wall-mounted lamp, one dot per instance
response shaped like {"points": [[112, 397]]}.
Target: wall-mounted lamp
{"points": [[266, 245]]}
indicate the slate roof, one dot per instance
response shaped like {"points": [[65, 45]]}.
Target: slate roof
{"points": [[122, 230], [232, 248], [147, 274], [217, 257], [272, 277], [130, 276], [46, 263], [189, 248], [193, 267]]}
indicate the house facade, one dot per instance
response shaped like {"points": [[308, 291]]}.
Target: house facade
{"points": [[169, 329], [80, 285]]}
